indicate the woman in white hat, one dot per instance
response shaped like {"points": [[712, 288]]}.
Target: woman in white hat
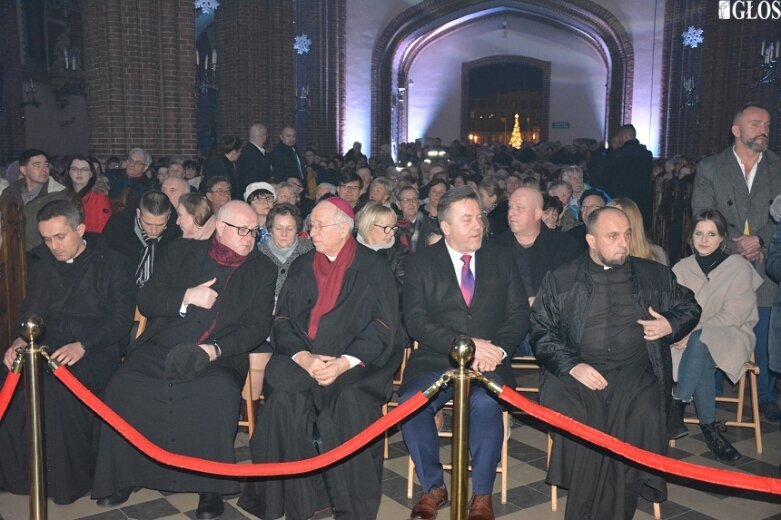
{"points": [[261, 196]]}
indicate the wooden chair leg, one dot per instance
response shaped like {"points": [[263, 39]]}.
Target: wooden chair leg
{"points": [[755, 412], [410, 476], [506, 422], [554, 498], [385, 449], [741, 398], [250, 409], [657, 511]]}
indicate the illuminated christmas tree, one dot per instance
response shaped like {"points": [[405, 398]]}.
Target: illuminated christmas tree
{"points": [[515, 138]]}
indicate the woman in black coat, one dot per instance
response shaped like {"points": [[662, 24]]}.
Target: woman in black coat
{"points": [[377, 230]]}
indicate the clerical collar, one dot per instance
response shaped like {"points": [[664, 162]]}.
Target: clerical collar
{"points": [[84, 243]]}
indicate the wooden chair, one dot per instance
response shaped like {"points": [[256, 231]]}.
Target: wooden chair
{"points": [[501, 468], [525, 363], [554, 490], [397, 381], [250, 422], [752, 370], [141, 320]]}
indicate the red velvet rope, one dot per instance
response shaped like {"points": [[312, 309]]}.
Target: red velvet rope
{"points": [[649, 459], [272, 469], [8, 391]]}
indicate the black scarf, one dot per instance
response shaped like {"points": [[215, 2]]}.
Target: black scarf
{"points": [[710, 262], [144, 269]]}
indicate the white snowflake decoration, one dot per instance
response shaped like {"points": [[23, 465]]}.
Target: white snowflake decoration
{"points": [[207, 6], [302, 44], [692, 37]]}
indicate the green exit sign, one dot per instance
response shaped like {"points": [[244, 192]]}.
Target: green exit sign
{"points": [[560, 124]]}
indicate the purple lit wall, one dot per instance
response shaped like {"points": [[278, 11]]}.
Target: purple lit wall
{"points": [[578, 77], [573, 65]]}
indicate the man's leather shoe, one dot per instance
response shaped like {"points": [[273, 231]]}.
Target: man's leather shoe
{"points": [[429, 504], [481, 507], [120, 497], [210, 506]]}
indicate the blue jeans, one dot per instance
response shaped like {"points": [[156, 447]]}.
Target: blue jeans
{"points": [[766, 382], [485, 434], [695, 379]]}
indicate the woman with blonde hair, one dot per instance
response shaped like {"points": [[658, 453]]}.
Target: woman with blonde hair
{"points": [[377, 229], [640, 246], [195, 216]]}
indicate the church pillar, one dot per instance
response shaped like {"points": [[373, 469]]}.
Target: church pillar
{"points": [[140, 76]]}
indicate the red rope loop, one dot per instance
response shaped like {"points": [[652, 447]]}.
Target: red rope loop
{"points": [[7, 392], [275, 469], [648, 459]]}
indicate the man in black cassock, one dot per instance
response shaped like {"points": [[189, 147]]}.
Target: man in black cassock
{"points": [[602, 325], [209, 304], [85, 294], [337, 340]]}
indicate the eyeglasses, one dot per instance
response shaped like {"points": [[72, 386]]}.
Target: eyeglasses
{"points": [[590, 208], [136, 163], [349, 188], [266, 199], [221, 192], [76, 169], [297, 185], [388, 229], [243, 231], [412, 200], [314, 226]]}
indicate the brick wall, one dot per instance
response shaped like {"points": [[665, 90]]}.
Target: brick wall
{"points": [[12, 139], [724, 68], [255, 66], [140, 70]]}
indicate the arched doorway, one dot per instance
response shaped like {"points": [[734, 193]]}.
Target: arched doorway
{"points": [[417, 27], [526, 91]]}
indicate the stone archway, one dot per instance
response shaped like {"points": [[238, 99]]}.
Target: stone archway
{"points": [[415, 28]]}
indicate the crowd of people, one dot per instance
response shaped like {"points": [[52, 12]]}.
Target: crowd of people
{"points": [[637, 284]]}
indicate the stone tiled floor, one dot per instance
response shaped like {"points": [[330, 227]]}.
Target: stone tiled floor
{"points": [[528, 497]]}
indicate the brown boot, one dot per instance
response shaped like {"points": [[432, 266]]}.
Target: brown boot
{"points": [[481, 507], [429, 504]]}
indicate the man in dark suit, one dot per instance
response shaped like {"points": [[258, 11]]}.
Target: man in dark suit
{"points": [[629, 171], [741, 182], [253, 164], [461, 286], [284, 157]]}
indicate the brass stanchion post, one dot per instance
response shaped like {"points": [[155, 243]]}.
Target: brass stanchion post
{"points": [[462, 350], [31, 329]]}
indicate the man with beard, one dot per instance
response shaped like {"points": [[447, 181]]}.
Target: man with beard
{"points": [[209, 304], [601, 329], [741, 183]]}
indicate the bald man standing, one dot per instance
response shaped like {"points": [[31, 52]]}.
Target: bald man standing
{"points": [[285, 161], [209, 303], [254, 164]]}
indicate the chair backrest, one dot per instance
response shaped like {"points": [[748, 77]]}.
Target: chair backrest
{"points": [[140, 320], [13, 271]]}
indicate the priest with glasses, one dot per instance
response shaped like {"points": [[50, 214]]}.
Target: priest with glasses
{"points": [[209, 303]]}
